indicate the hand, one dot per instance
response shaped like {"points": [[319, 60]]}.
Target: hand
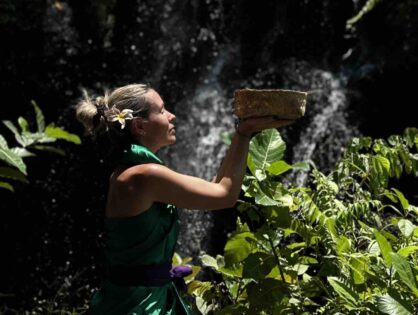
{"points": [[251, 125]]}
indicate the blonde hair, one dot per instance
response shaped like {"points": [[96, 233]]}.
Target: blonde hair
{"points": [[92, 112]]}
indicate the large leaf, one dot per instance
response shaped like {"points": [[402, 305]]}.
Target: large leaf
{"points": [[406, 227], [238, 248], [40, 120], [58, 133], [389, 305], [344, 291], [402, 199], [405, 272], [13, 159], [385, 247], [258, 265], [266, 148], [11, 173], [278, 167], [209, 261]]}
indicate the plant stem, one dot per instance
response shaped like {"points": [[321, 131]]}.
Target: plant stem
{"points": [[277, 259]]}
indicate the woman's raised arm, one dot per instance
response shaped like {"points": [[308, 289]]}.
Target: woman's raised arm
{"points": [[161, 184]]}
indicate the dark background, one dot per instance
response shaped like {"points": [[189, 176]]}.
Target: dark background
{"points": [[51, 228]]}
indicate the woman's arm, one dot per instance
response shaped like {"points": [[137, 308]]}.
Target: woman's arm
{"points": [[160, 184]]}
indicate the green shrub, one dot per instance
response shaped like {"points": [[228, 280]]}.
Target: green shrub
{"points": [[347, 244], [12, 157]]}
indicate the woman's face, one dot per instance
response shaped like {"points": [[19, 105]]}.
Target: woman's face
{"points": [[158, 130]]}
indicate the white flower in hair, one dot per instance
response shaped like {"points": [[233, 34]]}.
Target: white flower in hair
{"points": [[120, 116]]}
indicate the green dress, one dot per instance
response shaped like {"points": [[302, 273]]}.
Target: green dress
{"points": [[147, 238]]}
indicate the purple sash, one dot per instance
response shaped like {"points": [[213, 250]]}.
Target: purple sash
{"points": [[149, 275]]}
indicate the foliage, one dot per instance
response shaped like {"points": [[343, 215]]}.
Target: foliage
{"points": [[345, 245], [27, 140]]}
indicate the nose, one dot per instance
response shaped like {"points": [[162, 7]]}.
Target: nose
{"points": [[172, 116]]}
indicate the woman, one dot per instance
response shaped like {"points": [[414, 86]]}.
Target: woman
{"points": [[141, 218]]}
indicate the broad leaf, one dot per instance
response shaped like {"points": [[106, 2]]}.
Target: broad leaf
{"points": [[389, 305], [258, 265], [278, 167], [406, 227], [238, 248], [266, 148], [405, 272], [209, 261]]}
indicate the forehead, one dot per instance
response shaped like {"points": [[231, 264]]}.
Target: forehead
{"points": [[155, 99]]}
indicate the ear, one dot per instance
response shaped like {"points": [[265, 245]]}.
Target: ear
{"points": [[137, 127]]}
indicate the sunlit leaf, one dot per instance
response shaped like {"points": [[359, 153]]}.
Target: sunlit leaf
{"points": [[406, 227], [389, 305], [59, 133], [385, 247], [405, 272], [40, 120], [266, 148], [13, 159], [343, 290]]}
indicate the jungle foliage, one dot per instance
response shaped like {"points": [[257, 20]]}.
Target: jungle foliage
{"points": [[347, 244], [15, 168]]}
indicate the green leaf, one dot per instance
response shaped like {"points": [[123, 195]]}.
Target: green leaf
{"points": [[385, 247], [408, 250], [22, 152], [13, 129], [381, 167], [258, 265], [343, 245], [266, 292], [40, 120], [389, 305], [267, 147], [402, 199], [278, 167], [209, 261], [7, 186], [344, 291], [405, 272], [59, 133], [406, 227], [238, 248], [304, 166], [23, 123], [13, 159], [7, 172], [3, 142]]}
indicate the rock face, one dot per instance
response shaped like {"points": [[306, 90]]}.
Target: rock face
{"points": [[196, 54]]}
